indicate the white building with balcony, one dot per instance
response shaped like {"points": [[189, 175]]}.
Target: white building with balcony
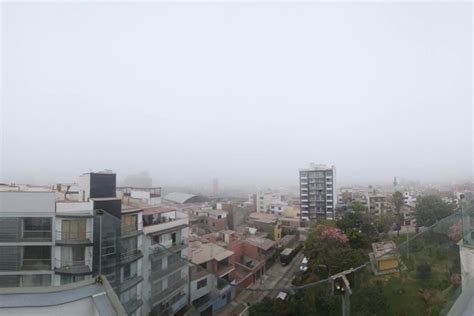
{"points": [[27, 221], [165, 268]]}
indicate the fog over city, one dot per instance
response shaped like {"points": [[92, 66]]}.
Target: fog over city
{"points": [[244, 92]]}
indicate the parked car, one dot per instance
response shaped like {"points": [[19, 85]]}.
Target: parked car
{"points": [[282, 296], [304, 265]]}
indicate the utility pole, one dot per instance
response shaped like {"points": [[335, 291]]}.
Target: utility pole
{"points": [[341, 286]]}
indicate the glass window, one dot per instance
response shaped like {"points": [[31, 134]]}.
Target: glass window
{"points": [[202, 283], [175, 277], [129, 223], [37, 257], [37, 227]]}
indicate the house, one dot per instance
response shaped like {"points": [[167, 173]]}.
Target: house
{"points": [[269, 223], [384, 257]]}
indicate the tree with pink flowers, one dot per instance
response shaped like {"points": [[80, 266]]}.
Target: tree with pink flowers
{"points": [[328, 247]]}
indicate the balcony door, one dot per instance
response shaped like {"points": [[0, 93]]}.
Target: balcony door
{"points": [[72, 256], [73, 229]]}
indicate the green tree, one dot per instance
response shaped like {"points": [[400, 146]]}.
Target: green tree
{"points": [[358, 207], [430, 209], [350, 221], [397, 198], [262, 308], [370, 299], [384, 223], [357, 240]]}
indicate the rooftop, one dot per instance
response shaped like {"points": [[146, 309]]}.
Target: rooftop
{"points": [[179, 197], [157, 210], [203, 252], [262, 243], [264, 217], [384, 249], [86, 297]]}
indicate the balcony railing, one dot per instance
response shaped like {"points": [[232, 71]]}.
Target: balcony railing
{"points": [[74, 238], [36, 235], [157, 250], [156, 298], [224, 269], [132, 305], [129, 231], [161, 273], [36, 264], [131, 255], [73, 267]]}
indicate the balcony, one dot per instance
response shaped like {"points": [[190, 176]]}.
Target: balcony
{"points": [[157, 274], [132, 305], [180, 303], [158, 250], [130, 256], [26, 236], [36, 264], [130, 231], [81, 267], [156, 298], [167, 224], [74, 238], [222, 270]]}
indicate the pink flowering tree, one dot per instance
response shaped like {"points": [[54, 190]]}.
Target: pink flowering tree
{"points": [[328, 250]]}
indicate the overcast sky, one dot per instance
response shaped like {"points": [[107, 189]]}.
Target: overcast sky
{"points": [[244, 92]]}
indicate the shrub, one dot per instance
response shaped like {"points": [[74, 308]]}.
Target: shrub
{"points": [[424, 271]]}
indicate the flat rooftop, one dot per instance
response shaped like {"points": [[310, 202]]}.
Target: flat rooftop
{"points": [[81, 298], [203, 252], [383, 249]]}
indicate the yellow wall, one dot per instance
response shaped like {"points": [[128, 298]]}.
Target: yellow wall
{"points": [[388, 264], [291, 212], [277, 231]]}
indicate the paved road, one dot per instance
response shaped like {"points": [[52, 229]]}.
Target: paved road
{"points": [[276, 277]]}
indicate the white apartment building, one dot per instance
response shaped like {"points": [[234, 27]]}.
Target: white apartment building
{"points": [[165, 268], [318, 193], [27, 239]]}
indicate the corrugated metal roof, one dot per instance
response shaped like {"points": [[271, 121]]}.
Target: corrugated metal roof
{"points": [[178, 197]]}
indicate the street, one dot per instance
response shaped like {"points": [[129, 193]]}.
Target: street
{"points": [[277, 276]]}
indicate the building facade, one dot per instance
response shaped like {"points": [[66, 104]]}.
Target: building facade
{"points": [[318, 194]]}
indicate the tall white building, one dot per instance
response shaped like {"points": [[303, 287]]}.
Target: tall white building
{"points": [[318, 193]]}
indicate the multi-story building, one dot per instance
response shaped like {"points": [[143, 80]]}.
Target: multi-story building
{"points": [[318, 194], [211, 275], [27, 239], [378, 204], [165, 266], [74, 239], [94, 232], [264, 200]]}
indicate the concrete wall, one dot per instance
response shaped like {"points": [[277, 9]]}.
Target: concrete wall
{"points": [[34, 203]]}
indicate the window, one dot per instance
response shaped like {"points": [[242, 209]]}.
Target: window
{"points": [[73, 229], [37, 227], [129, 224], [129, 271], [174, 258], [37, 257], [66, 279], [202, 283], [129, 295], [174, 278]]}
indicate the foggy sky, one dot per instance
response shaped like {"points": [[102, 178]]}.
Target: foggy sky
{"points": [[244, 92]]}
